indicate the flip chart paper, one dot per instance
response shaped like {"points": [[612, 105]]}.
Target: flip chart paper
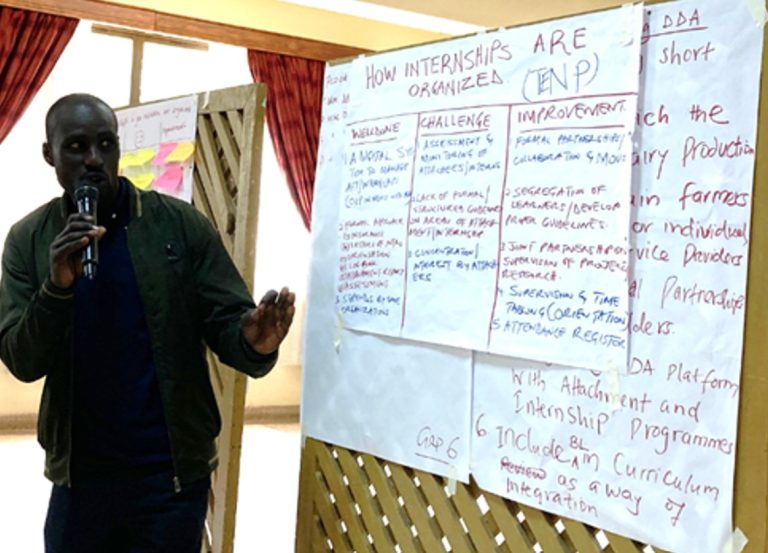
{"points": [[645, 449], [486, 203], [350, 391], [156, 135], [652, 455]]}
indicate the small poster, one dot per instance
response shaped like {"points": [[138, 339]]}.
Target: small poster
{"points": [[157, 142]]}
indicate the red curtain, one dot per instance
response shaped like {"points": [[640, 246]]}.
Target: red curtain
{"points": [[30, 45], [294, 99]]}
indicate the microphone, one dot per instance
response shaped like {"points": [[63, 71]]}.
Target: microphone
{"points": [[87, 198]]}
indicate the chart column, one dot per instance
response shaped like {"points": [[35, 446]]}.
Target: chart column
{"points": [[376, 181], [562, 289], [454, 224]]}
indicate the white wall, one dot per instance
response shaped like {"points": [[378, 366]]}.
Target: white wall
{"points": [[101, 65]]}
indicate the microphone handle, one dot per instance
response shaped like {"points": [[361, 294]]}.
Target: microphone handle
{"points": [[90, 255], [90, 259]]}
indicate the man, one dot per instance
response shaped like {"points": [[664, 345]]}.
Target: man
{"points": [[128, 416]]}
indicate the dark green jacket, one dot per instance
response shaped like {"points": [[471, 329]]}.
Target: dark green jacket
{"points": [[192, 294]]}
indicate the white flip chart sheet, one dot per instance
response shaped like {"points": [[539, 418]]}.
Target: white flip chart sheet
{"points": [[425, 176], [486, 191], [406, 402], [651, 454]]}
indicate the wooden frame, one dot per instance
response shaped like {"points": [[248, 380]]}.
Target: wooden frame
{"points": [[138, 40], [152, 20]]}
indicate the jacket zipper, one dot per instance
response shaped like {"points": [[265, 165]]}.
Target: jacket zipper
{"points": [[71, 445], [176, 481]]}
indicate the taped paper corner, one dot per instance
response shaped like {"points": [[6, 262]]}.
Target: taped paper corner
{"points": [[453, 476], [339, 332], [736, 542], [614, 388], [628, 28], [757, 10]]}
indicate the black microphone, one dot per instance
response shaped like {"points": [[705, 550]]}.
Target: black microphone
{"points": [[87, 199]]}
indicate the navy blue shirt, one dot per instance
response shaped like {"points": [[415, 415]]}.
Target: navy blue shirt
{"points": [[118, 423]]}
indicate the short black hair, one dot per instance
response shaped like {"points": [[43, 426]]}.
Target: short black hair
{"points": [[72, 100]]}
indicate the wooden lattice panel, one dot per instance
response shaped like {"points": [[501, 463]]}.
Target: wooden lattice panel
{"points": [[353, 502], [226, 189], [214, 163]]}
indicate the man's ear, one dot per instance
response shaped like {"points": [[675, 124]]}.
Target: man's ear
{"points": [[47, 154]]}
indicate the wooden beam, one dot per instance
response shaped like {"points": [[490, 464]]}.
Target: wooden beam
{"points": [[26, 423], [131, 34], [23, 423], [271, 414], [90, 9], [136, 61], [152, 20], [253, 39]]}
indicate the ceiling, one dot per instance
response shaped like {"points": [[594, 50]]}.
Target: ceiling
{"points": [[499, 13], [288, 17]]}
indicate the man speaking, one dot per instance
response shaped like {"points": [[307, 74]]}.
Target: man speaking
{"points": [[128, 416]]}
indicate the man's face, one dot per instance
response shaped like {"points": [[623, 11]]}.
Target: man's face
{"points": [[83, 146]]}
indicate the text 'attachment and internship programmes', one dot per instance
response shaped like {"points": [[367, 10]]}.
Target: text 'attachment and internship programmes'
{"points": [[651, 454], [486, 193]]}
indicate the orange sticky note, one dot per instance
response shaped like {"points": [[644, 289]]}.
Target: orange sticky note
{"points": [[181, 153]]}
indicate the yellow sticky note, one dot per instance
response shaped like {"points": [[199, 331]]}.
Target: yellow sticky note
{"points": [[128, 159], [145, 156], [137, 158], [143, 181], [181, 153]]}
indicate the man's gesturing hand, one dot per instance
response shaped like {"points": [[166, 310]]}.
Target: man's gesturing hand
{"points": [[266, 326], [65, 256]]}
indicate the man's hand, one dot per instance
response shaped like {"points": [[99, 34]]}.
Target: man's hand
{"points": [[266, 326], [65, 256]]}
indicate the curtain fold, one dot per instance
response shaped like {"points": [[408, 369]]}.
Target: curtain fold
{"points": [[294, 101], [30, 45]]}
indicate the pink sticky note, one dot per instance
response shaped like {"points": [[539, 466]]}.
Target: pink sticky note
{"points": [[165, 149], [170, 180]]}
